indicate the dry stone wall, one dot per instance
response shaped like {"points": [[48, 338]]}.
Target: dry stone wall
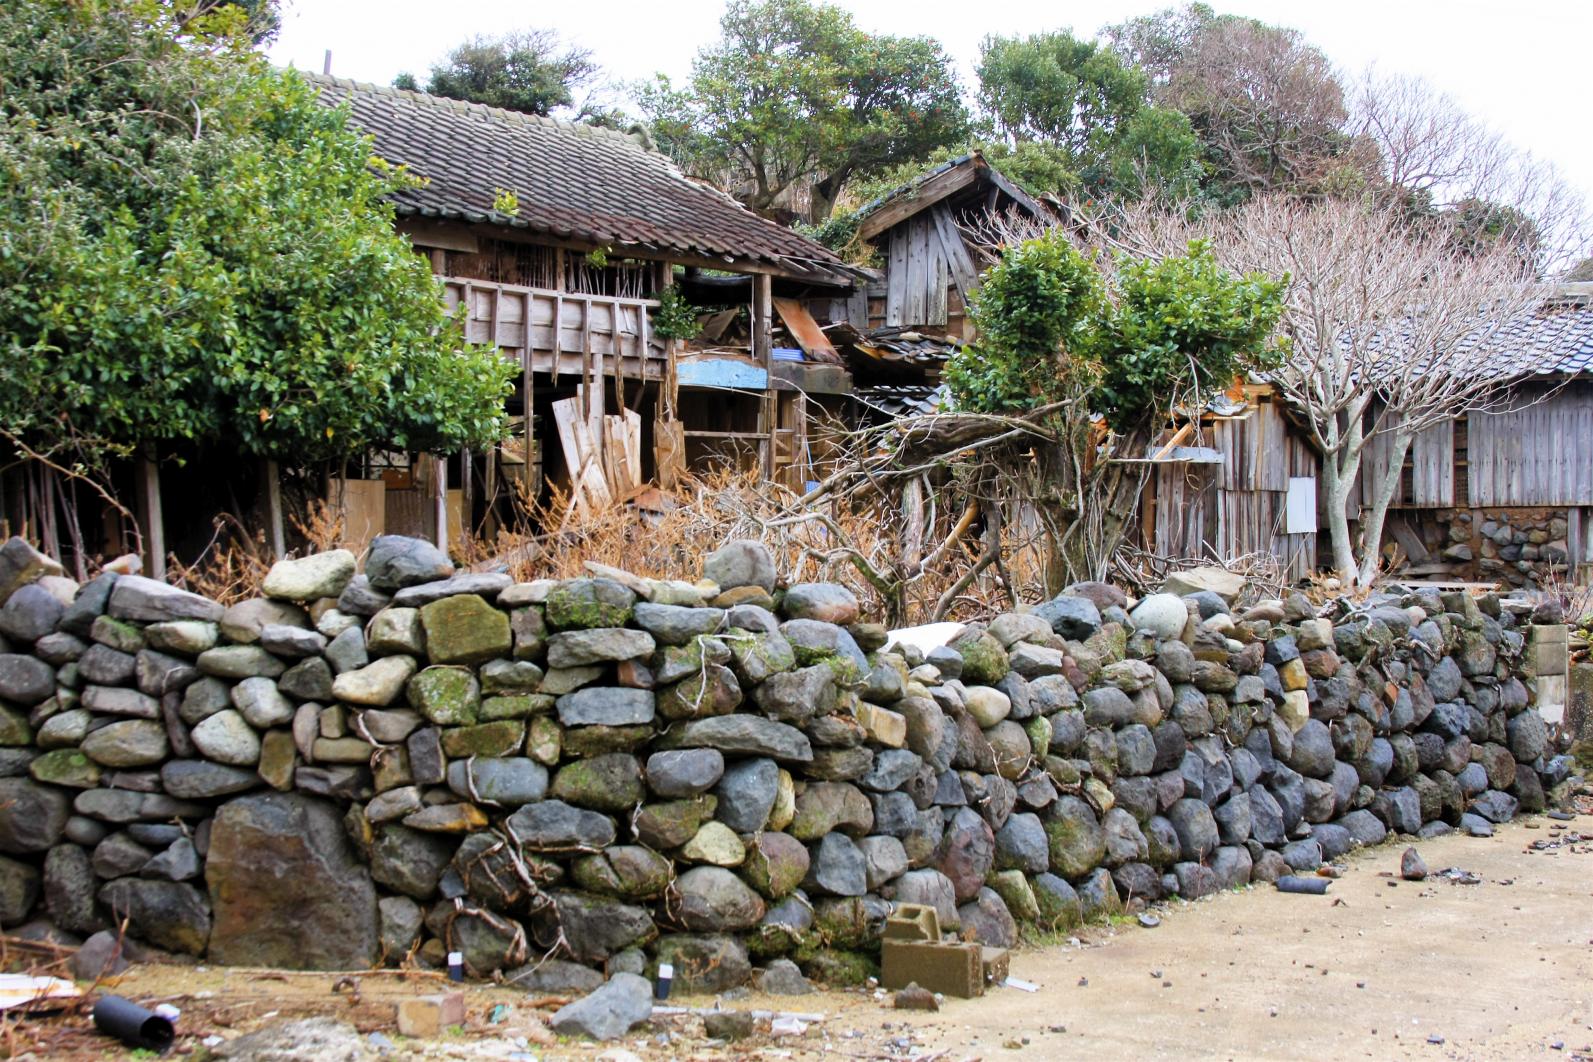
{"points": [[721, 774]]}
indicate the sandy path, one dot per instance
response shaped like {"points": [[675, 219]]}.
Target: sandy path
{"points": [[1368, 971]]}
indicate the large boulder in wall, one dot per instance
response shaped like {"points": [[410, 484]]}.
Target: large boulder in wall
{"points": [[287, 889]]}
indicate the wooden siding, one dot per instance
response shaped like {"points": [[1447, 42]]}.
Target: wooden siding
{"points": [[589, 326], [1539, 455], [1227, 510], [929, 273], [1428, 478]]}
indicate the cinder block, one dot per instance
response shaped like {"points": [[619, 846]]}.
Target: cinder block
{"points": [[913, 921], [951, 969], [428, 1017], [994, 963]]}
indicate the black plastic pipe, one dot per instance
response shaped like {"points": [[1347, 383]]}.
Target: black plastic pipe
{"points": [[132, 1024]]}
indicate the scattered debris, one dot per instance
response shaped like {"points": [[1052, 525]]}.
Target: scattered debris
{"points": [[1020, 984], [1148, 920], [1305, 886], [20, 990]]}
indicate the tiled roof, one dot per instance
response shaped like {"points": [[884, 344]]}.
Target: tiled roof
{"points": [[1557, 339], [904, 400], [574, 182]]}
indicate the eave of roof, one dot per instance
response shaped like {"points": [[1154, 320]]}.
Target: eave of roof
{"points": [[574, 183]]}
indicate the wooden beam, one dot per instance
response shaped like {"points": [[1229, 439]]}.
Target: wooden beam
{"points": [[912, 200], [275, 527], [763, 354], [148, 473], [823, 275]]}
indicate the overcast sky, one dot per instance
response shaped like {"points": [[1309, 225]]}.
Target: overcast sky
{"points": [[1523, 67]]}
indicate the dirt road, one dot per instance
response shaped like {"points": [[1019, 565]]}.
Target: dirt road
{"points": [[1378, 968], [1500, 969]]}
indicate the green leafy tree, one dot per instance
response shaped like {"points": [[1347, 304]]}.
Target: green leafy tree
{"points": [[794, 91], [194, 250], [1099, 360], [1087, 113], [532, 71], [1130, 345]]}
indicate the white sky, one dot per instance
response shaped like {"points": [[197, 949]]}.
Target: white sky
{"points": [[1522, 67]]}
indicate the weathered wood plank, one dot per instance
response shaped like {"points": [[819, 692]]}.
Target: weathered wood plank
{"points": [[896, 279]]}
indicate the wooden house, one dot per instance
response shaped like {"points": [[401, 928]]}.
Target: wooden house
{"points": [[912, 312], [1503, 496], [554, 241], [1507, 496]]}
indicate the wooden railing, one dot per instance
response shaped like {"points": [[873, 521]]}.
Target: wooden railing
{"points": [[601, 332]]}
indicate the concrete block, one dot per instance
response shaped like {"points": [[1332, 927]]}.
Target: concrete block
{"points": [[994, 963], [428, 1017], [913, 921], [951, 969]]}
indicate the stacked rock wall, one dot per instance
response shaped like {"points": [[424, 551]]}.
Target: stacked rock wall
{"points": [[355, 768]]}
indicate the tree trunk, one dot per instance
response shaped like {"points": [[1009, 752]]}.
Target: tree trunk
{"points": [[1338, 489], [1377, 512]]}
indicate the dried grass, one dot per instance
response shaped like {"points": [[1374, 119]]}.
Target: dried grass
{"points": [[666, 536]]}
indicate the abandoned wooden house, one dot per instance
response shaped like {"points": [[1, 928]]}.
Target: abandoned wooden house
{"points": [[1503, 496], [554, 241], [902, 324]]}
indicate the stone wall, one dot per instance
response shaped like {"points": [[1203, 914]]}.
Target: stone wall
{"points": [[1514, 547], [356, 768]]}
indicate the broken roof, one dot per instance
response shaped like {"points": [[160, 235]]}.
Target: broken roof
{"points": [[932, 186], [574, 182]]}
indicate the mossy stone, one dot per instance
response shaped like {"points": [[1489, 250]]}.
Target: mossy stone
{"points": [[588, 603], [504, 737], [611, 782], [447, 696], [14, 729], [673, 823], [836, 967], [464, 629], [984, 661], [66, 767], [544, 740], [515, 706], [631, 872], [583, 741]]}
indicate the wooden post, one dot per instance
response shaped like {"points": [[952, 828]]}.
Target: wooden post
{"points": [[763, 354], [441, 479], [467, 492], [527, 386], [149, 510], [276, 530]]}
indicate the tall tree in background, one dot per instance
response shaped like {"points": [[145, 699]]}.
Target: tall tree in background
{"points": [[532, 71], [794, 91]]}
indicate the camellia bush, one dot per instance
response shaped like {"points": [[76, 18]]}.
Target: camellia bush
{"points": [[194, 250]]}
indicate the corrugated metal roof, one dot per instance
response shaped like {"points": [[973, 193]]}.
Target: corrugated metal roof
{"points": [[574, 182]]}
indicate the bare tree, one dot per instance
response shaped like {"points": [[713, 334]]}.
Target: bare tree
{"points": [[1432, 155], [1392, 332], [1391, 329]]}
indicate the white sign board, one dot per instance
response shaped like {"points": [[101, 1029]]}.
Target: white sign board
{"points": [[1300, 508]]}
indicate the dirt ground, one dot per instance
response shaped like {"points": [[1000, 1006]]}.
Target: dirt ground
{"points": [[1377, 968]]}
